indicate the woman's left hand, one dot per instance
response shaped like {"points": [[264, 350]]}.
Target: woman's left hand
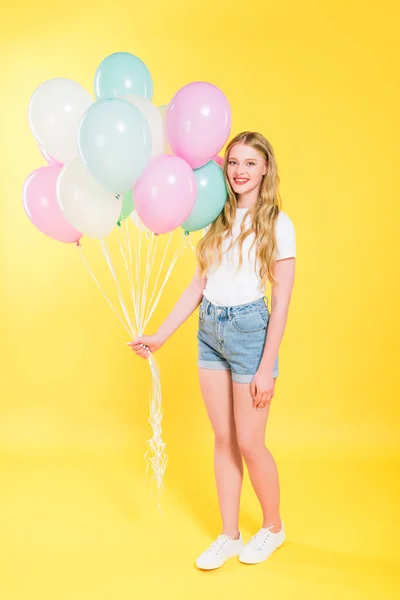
{"points": [[262, 388]]}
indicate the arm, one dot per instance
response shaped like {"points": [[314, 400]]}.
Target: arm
{"points": [[263, 382], [185, 306], [187, 303], [280, 300]]}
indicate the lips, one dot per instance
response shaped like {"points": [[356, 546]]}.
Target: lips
{"points": [[240, 180]]}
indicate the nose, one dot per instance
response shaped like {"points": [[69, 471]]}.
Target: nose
{"points": [[240, 171]]}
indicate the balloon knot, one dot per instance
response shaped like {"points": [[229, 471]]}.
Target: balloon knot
{"points": [[78, 243], [119, 223], [186, 233]]}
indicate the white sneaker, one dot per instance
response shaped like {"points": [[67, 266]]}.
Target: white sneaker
{"points": [[219, 552], [261, 545]]}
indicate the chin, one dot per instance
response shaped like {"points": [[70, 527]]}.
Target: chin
{"points": [[240, 189]]}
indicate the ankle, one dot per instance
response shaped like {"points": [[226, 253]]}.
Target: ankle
{"points": [[232, 534], [275, 526]]}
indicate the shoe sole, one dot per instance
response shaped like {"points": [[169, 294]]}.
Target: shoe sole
{"points": [[218, 566]]}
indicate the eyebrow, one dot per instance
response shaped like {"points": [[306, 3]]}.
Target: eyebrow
{"points": [[233, 158]]}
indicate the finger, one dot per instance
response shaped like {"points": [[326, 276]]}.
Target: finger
{"points": [[265, 398], [256, 401], [142, 352], [140, 347], [263, 401], [253, 389], [136, 344]]}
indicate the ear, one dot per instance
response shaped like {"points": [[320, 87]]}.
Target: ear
{"points": [[265, 170]]}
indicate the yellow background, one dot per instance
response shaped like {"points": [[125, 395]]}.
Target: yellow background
{"points": [[320, 80]]}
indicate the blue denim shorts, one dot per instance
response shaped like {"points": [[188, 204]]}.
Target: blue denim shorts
{"points": [[233, 337]]}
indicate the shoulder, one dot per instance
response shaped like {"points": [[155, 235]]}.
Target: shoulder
{"points": [[284, 224]]}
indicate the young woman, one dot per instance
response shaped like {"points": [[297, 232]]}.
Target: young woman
{"points": [[251, 241]]}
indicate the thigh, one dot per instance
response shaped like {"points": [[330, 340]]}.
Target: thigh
{"points": [[250, 423], [216, 389]]}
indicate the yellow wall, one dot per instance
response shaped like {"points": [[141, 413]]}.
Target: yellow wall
{"points": [[320, 81]]}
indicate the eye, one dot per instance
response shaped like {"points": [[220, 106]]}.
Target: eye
{"points": [[251, 163], [231, 162]]}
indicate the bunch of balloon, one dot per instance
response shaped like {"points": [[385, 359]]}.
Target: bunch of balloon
{"points": [[121, 168]]}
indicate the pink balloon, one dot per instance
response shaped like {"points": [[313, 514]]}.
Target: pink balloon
{"points": [[165, 193], [40, 203], [219, 160], [198, 122], [52, 161]]}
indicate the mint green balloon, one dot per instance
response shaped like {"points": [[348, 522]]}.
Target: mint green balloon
{"points": [[114, 141], [127, 205], [122, 73], [210, 199]]}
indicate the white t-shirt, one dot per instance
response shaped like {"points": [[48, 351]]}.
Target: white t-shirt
{"points": [[229, 286]]}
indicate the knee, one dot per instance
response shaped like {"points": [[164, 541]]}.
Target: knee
{"points": [[249, 449], [224, 440]]}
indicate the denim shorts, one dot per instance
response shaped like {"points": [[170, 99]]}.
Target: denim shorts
{"points": [[233, 337]]}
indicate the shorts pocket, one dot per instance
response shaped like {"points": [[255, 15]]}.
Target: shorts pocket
{"points": [[250, 322], [265, 315]]}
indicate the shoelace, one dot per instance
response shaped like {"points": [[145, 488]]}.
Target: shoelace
{"points": [[259, 539], [218, 544]]}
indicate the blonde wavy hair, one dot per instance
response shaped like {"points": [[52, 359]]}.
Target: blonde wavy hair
{"points": [[264, 214]]}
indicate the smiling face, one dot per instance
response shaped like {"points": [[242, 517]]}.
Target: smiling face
{"points": [[245, 168]]}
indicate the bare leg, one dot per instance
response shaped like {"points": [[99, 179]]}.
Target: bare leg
{"points": [[263, 472], [216, 389]]}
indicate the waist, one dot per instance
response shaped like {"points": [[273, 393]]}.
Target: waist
{"points": [[232, 311]]}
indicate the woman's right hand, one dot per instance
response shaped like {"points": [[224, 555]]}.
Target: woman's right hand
{"points": [[145, 344]]}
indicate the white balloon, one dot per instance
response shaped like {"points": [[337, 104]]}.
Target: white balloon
{"points": [[138, 221], [153, 118], [84, 202], [163, 111], [55, 111]]}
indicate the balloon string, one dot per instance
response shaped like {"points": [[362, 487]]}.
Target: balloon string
{"points": [[128, 243], [177, 254], [101, 289], [123, 251], [159, 272], [138, 239], [130, 280], [151, 246], [156, 446], [135, 297], [155, 455], [120, 296]]}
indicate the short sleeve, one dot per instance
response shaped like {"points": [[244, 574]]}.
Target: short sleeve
{"points": [[285, 237]]}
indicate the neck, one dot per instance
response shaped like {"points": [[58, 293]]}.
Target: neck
{"points": [[247, 200]]}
